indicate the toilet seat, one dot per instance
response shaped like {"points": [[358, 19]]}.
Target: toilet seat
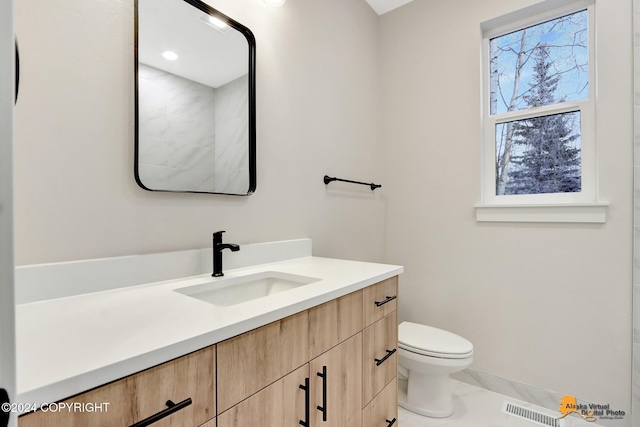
{"points": [[433, 342]]}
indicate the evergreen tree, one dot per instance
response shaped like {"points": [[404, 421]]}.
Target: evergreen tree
{"points": [[548, 161]]}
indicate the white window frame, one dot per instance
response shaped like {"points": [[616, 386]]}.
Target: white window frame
{"points": [[581, 206]]}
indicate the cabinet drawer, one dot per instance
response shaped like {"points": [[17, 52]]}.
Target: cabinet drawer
{"points": [[119, 411], [142, 395], [380, 300], [383, 409], [188, 377], [280, 404], [379, 356], [334, 322], [251, 361]]}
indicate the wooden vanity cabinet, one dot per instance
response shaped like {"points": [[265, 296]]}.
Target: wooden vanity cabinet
{"points": [[279, 404], [316, 368], [379, 356], [334, 321], [380, 300], [189, 377], [251, 361], [119, 412], [336, 384], [335, 346], [383, 409], [261, 382], [139, 396]]}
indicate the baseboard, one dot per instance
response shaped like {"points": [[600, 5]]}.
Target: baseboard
{"points": [[526, 393]]}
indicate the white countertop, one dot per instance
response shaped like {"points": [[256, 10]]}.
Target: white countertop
{"points": [[68, 345]]}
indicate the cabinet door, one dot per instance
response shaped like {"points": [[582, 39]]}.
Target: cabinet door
{"points": [[282, 404], [333, 322], [118, 411], [251, 361], [188, 377], [380, 300], [380, 357], [383, 410], [339, 390]]}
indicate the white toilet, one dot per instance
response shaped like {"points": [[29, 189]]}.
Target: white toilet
{"points": [[426, 357]]}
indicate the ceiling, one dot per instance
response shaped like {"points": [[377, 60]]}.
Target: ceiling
{"points": [[170, 25], [205, 55], [384, 6]]}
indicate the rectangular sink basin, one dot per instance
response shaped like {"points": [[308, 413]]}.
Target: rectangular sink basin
{"points": [[236, 290]]}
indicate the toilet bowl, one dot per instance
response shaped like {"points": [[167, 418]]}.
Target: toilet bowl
{"points": [[426, 357]]}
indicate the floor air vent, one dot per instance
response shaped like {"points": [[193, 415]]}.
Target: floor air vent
{"points": [[531, 415]]}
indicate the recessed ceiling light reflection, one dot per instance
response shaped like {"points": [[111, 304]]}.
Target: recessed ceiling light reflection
{"points": [[171, 56], [216, 23]]}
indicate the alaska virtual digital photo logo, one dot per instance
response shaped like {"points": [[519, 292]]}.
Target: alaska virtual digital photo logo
{"points": [[590, 411]]}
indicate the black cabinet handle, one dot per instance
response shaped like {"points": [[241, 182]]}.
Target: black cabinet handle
{"points": [[305, 387], [390, 423], [4, 415], [388, 298], [171, 408], [388, 355], [323, 408]]}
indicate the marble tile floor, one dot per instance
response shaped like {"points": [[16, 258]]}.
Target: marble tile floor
{"points": [[477, 407]]}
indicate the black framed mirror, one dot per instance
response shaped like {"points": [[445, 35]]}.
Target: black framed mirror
{"points": [[195, 116]]}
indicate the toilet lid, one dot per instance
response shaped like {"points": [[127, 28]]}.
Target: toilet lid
{"points": [[432, 341]]}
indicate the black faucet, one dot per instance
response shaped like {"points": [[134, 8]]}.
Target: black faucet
{"points": [[218, 246]]}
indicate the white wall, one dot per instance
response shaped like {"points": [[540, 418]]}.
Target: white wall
{"points": [[317, 93], [547, 305]]}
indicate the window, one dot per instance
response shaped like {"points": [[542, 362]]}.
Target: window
{"points": [[539, 107]]}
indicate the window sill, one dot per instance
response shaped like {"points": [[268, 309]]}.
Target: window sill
{"points": [[577, 213]]}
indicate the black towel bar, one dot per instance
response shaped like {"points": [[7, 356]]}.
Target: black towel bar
{"points": [[328, 179]]}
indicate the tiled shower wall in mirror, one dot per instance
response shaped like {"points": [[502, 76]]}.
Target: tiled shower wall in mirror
{"points": [[191, 135]]}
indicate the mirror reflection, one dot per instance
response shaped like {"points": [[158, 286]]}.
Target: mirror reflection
{"points": [[195, 91]]}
